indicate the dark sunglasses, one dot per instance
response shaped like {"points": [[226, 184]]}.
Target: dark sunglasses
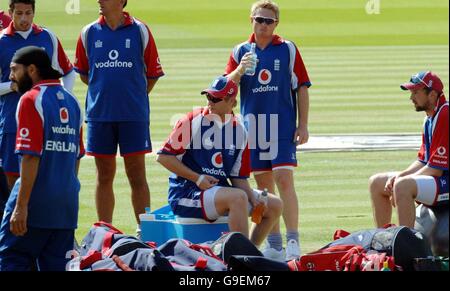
{"points": [[213, 99], [265, 20]]}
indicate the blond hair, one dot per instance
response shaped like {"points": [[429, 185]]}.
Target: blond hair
{"points": [[265, 4]]}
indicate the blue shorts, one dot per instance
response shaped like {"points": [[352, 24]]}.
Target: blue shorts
{"points": [[9, 161], [133, 138], [281, 154], [45, 248]]}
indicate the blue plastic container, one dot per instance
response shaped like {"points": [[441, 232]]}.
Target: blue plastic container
{"points": [[161, 225]]}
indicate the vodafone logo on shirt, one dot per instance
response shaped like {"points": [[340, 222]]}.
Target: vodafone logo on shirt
{"points": [[23, 140], [441, 151], [64, 115], [217, 160], [440, 158], [113, 61], [264, 77], [24, 132]]}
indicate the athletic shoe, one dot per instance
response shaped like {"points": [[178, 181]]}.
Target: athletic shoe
{"points": [[273, 254], [292, 250]]}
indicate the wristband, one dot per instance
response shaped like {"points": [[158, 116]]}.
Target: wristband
{"points": [[200, 180]]}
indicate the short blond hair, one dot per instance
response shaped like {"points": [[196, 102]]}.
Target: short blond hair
{"points": [[265, 4]]}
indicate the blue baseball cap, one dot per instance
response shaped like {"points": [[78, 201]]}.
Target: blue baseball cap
{"points": [[222, 87]]}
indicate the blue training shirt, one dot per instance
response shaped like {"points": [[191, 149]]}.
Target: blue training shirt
{"points": [[118, 64], [10, 42], [208, 147], [273, 89], [50, 122]]}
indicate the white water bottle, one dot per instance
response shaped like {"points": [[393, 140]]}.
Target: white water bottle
{"points": [[251, 70]]}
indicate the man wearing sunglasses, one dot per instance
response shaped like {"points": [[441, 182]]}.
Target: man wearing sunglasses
{"points": [[426, 179], [205, 152], [278, 92]]}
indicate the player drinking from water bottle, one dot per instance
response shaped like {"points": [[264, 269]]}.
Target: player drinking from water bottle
{"points": [[277, 92]]}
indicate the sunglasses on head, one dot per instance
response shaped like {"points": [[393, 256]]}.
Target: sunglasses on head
{"points": [[265, 20], [417, 80], [213, 99]]}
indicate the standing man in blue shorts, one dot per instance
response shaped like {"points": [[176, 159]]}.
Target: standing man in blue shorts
{"points": [[117, 58], [20, 33], [270, 103], [41, 214], [426, 179], [206, 151]]}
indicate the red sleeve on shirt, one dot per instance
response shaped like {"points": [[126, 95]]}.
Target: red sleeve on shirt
{"points": [[151, 58], [300, 70], [439, 142], [180, 137], [245, 166], [81, 60], [63, 60], [232, 65], [30, 131], [5, 20]]}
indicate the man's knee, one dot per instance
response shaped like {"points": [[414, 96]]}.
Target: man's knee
{"points": [[405, 188], [377, 183], [106, 170], [138, 181], [135, 169], [238, 197], [105, 177], [376, 180], [275, 206], [284, 181]]}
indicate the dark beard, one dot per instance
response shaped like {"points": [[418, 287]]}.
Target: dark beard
{"points": [[24, 84], [420, 108]]}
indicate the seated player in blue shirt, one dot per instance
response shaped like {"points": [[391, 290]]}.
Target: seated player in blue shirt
{"points": [[425, 181], [206, 151]]}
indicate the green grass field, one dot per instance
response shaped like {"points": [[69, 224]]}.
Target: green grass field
{"points": [[356, 62]]}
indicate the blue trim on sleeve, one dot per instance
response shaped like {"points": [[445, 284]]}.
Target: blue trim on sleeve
{"points": [[80, 72], [437, 167], [162, 152], [307, 84], [70, 71], [157, 77], [30, 153]]}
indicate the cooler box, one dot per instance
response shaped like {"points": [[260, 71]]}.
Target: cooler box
{"points": [[161, 225]]}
